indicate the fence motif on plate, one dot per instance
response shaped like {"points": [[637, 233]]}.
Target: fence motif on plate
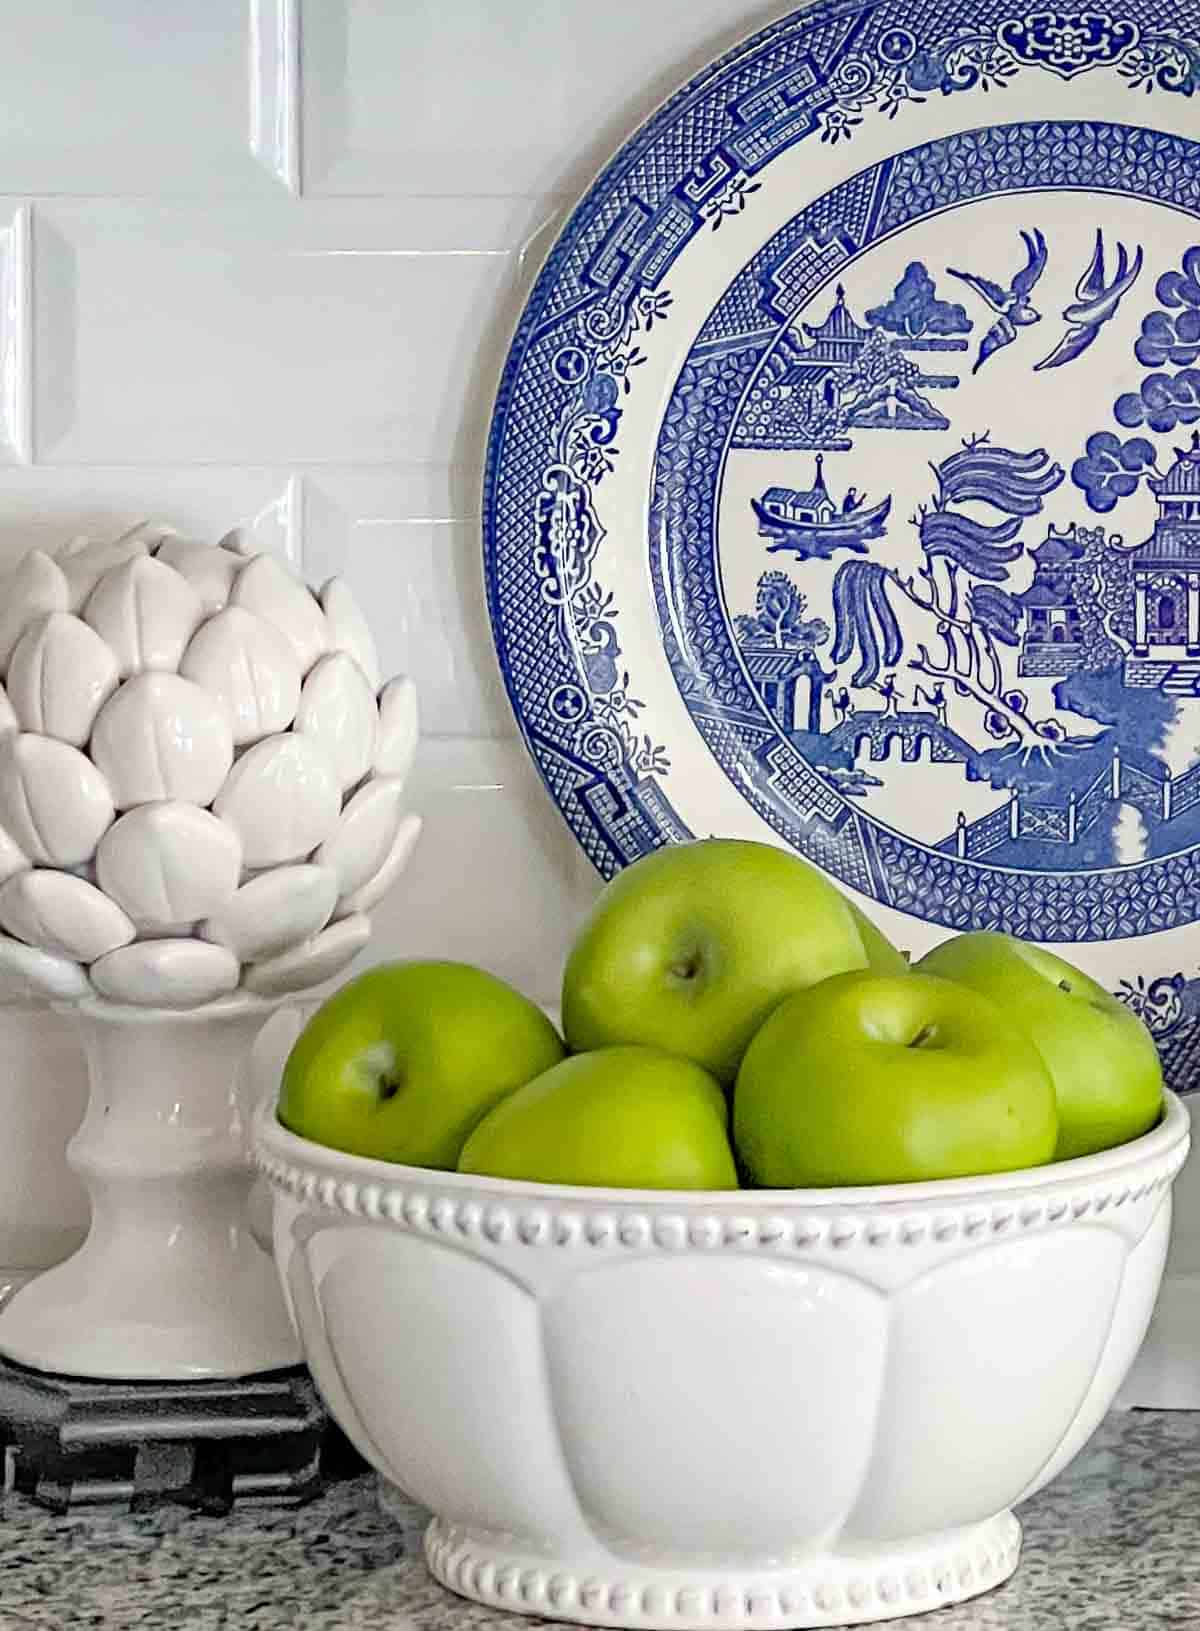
{"points": [[1159, 796]]}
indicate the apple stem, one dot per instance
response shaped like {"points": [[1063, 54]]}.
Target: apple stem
{"points": [[925, 1034]]}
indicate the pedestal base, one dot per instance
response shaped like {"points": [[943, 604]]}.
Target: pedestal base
{"points": [[70, 1441], [170, 1284], [832, 1591]]}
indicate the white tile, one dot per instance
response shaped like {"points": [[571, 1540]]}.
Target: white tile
{"points": [[275, 88], [44, 508], [16, 317], [477, 96], [335, 331], [414, 560], [136, 97], [496, 878]]}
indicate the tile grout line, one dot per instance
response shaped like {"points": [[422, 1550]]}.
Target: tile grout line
{"points": [[291, 25], [274, 88], [294, 523], [19, 381]]}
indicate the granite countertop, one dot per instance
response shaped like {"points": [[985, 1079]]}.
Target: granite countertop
{"points": [[1113, 1543]]}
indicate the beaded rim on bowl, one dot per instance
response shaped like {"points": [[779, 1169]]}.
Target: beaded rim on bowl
{"points": [[503, 1212], [915, 1585]]}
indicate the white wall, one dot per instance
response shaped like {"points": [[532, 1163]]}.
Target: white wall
{"points": [[259, 260]]}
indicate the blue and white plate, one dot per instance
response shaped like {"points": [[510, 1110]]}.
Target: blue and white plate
{"points": [[844, 480]]}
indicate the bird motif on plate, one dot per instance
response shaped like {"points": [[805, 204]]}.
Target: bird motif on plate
{"points": [[1013, 308], [1095, 303]]}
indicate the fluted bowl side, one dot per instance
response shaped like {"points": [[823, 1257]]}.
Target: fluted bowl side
{"points": [[624, 1379]]}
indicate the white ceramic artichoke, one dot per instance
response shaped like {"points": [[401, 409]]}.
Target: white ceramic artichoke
{"points": [[201, 780]]}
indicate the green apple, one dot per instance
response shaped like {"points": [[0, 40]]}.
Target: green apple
{"points": [[882, 956], [402, 1062], [1102, 1059], [623, 1117], [690, 948], [882, 1079]]}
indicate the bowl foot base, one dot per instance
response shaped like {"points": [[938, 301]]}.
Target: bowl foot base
{"points": [[68, 1441], [832, 1590]]}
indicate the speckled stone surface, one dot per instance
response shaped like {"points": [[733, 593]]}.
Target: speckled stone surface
{"points": [[1113, 1545]]}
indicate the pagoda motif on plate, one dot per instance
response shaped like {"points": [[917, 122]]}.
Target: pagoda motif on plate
{"points": [[1052, 641], [1166, 578]]}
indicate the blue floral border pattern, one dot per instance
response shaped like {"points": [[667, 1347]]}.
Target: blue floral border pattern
{"points": [[597, 359], [811, 77], [904, 70]]}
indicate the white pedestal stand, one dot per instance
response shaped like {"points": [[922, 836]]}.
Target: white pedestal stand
{"points": [[158, 1361], [170, 1282], [43, 1091]]}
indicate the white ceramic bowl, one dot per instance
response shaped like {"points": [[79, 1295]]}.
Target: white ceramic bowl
{"points": [[756, 1408]]}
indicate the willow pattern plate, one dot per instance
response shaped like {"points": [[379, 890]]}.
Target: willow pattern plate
{"points": [[843, 489]]}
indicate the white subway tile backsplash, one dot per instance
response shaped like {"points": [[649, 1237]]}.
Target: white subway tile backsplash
{"points": [[422, 580], [496, 879], [416, 562], [333, 332], [275, 88], [16, 318], [130, 98], [444, 96], [43, 508]]}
